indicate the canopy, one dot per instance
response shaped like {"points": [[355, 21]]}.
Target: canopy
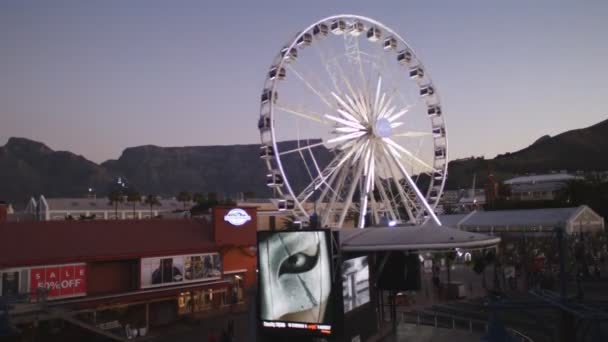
{"points": [[412, 238]]}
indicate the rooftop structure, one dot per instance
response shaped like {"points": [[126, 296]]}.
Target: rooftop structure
{"points": [[49, 209], [574, 220]]}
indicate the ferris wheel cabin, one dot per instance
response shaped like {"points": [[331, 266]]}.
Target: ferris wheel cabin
{"points": [[374, 34]]}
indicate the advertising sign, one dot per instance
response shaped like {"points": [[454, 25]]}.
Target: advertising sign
{"points": [[61, 281], [355, 282], [172, 270], [234, 226], [295, 281]]}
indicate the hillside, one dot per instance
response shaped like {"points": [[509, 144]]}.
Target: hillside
{"points": [[30, 168], [580, 149]]}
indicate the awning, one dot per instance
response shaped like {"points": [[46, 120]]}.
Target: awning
{"points": [[412, 238]]}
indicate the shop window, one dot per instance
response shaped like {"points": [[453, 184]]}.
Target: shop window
{"points": [[184, 303], [236, 293], [14, 282]]}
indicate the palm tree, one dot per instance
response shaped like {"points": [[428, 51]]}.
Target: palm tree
{"points": [[134, 197], [116, 197], [151, 200], [184, 196]]}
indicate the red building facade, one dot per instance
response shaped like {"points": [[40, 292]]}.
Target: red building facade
{"points": [[137, 273]]}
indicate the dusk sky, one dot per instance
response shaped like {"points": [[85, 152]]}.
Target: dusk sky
{"points": [[95, 77]]}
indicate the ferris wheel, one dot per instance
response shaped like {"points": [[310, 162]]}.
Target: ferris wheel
{"points": [[352, 128]]}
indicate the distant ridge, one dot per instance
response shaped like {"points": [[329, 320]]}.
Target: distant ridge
{"points": [[30, 168], [584, 149]]}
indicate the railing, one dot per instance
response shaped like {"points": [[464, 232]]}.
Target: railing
{"points": [[453, 322]]}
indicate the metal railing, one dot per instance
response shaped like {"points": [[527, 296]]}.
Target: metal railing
{"points": [[448, 321]]}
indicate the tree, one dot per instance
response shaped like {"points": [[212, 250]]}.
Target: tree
{"points": [[212, 198], [134, 197], [184, 197], [151, 200], [198, 197], [228, 202], [116, 197], [248, 194]]}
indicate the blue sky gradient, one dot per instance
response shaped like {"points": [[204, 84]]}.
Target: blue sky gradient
{"points": [[95, 77]]}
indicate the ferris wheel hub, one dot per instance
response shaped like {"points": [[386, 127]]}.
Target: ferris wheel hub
{"points": [[383, 128]]}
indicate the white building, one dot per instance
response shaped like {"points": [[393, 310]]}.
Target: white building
{"points": [[539, 187], [47, 209], [574, 220]]}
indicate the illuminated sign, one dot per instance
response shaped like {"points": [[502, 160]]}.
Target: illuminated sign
{"points": [[237, 217]]}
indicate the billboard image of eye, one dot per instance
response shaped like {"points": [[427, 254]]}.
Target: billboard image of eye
{"points": [[295, 279], [355, 282]]}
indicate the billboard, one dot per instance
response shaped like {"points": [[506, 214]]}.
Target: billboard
{"points": [[295, 281], [173, 270], [355, 282], [61, 281]]}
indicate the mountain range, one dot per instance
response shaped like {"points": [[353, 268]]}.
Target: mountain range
{"points": [[29, 168]]}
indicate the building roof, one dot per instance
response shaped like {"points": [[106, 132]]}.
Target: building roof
{"points": [[554, 177], [531, 187], [549, 217], [54, 242], [413, 238], [103, 204], [452, 220]]}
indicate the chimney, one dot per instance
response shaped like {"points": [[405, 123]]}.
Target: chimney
{"points": [[3, 212]]}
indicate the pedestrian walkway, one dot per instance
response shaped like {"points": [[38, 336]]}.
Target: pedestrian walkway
{"points": [[414, 333]]}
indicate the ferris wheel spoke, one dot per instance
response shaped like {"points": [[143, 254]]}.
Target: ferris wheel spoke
{"points": [[349, 196], [328, 69], [349, 136], [393, 146], [345, 122], [363, 106], [412, 134], [329, 170], [311, 87], [303, 114], [354, 53], [356, 108], [406, 201], [302, 148], [335, 198], [398, 114], [420, 197], [369, 176], [377, 97], [388, 206]]}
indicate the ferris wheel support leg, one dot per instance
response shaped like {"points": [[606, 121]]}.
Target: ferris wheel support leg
{"points": [[421, 198], [351, 192]]}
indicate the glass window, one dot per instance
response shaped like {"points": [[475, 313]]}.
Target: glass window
{"points": [[10, 283], [184, 303]]}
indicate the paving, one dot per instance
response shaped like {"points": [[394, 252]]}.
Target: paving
{"points": [[411, 332]]}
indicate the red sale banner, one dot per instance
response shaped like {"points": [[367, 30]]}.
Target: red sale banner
{"points": [[60, 281]]}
